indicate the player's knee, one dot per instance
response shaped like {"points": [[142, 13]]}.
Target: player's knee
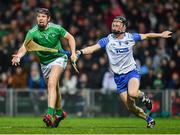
{"points": [[133, 94], [51, 85], [141, 110]]}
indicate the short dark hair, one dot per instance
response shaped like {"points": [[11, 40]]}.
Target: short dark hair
{"points": [[121, 19], [43, 11]]}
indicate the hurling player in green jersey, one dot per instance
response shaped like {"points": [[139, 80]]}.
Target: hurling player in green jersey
{"points": [[48, 34]]}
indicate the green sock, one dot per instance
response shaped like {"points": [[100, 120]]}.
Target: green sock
{"points": [[59, 112], [50, 111]]}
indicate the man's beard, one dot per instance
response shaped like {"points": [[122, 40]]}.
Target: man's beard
{"points": [[41, 26], [115, 32]]}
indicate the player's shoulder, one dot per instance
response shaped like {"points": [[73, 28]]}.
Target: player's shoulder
{"points": [[53, 25], [33, 29], [103, 41], [105, 38], [133, 36], [130, 35], [110, 36]]}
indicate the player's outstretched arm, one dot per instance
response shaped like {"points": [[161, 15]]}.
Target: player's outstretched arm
{"points": [[165, 34], [72, 46], [90, 49], [17, 57]]}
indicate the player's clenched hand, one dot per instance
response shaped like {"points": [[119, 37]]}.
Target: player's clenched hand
{"points": [[74, 57], [79, 53], [166, 34], [15, 60]]}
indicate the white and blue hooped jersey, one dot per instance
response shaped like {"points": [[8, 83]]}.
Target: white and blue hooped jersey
{"points": [[120, 51]]}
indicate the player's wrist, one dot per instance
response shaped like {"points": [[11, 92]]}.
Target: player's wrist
{"points": [[20, 55], [161, 34], [73, 54]]}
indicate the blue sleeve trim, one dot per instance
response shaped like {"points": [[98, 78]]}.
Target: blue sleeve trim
{"points": [[136, 37], [103, 42]]}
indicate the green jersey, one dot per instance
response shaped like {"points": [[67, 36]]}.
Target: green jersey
{"points": [[49, 37]]}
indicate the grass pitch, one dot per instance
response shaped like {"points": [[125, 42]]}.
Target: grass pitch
{"points": [[34, 125]]}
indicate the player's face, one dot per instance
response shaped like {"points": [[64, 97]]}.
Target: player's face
{"points": [[42, 20], [118, 26]]}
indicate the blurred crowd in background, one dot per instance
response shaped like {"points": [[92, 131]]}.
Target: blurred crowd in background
{"points": [[88, 21]]}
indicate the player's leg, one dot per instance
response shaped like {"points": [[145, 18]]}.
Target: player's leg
{"points": [[131, 106], [60, 114], [58, 101], [46, 70], [53, 80], [145, 100], [134, 92]]}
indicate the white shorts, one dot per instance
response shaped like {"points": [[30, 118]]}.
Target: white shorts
{"points": [[46, 69]]}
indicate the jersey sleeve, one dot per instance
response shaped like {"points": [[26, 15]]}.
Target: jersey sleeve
{"points": [[62, 31], [136, 37], [103, 42]]}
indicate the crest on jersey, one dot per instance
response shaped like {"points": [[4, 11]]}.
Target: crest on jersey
{"points": [[53, 35], [126, 42]]}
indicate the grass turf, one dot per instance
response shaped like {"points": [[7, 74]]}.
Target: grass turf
{"points": [[34, 125]]}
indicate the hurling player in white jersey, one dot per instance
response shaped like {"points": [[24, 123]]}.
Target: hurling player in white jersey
{"points": [[119, 48]]}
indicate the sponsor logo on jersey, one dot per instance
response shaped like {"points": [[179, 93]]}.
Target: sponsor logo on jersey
{"points": [[122, 50]]}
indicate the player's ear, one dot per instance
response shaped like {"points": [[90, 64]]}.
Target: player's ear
{"points": [[49, 18], [125, 27]]}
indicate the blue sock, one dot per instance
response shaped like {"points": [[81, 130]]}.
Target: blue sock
{"points": [[148, 118]]}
